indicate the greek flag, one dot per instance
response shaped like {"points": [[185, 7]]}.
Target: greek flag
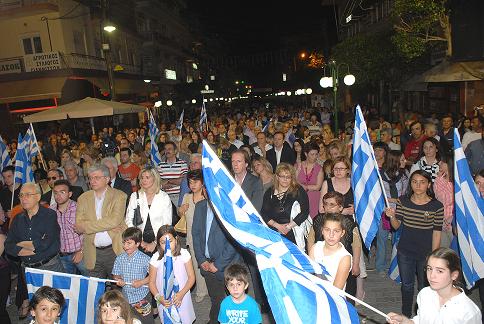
{"points": [[81, 293], [154, 133], [23, 168], [203, 115], [365, 181], [32, 147], [469, 214], [393, 271], [179, 123], [170, 287], [294, 294], [5, 159]]}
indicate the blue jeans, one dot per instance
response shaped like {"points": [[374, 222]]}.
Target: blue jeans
{"points": [[409, 265], [73, 268], [381, 249]]}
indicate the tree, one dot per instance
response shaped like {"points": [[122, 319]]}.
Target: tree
{"points": [[420, 25]]}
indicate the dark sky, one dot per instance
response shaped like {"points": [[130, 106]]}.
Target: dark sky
{"points": [[254, 26]]}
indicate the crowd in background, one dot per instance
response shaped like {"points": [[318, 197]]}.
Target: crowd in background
{"points": [[97, 196]]}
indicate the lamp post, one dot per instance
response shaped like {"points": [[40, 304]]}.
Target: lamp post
{"points": [[332, 81], [106, 27]]}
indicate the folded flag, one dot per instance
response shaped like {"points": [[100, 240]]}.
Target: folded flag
{"points": [[154, 133]]}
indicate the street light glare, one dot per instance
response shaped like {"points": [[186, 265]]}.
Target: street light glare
{"points": [[349, 79], [169, 102], [109, 28], [147, 81], [326, 82], [309, 91], [158, 104], [194, 101], [288, 93]]}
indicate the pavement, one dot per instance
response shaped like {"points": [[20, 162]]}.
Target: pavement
{"points": [[380, 292]]}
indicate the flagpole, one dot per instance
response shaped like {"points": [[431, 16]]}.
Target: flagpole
{"points": [[40, 151]]}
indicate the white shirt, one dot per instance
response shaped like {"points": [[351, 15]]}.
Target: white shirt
{"points": [[330, 262], [393, 146], [278, 155], [459, 309], [237, 143], [101, 239], [470, 137], [259, 151]]}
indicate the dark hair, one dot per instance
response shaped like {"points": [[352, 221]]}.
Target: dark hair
{"points": [[51, 294], [125, 149], [63, 182], [59, 172], [391, 166], [9, 168], [244, 153], [426, 175], [132, 233], [195, 175], [452, 260], [336, 196], [415, 123], [251, 149], [236, 271], [167, 229], [172, 143], [480, 173], [436, 144], [40, 174], [279, 132], [311, 146], [333, 217], [381, 145]]}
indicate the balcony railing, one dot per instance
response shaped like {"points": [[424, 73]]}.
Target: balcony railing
{"points": [[6, 5]]}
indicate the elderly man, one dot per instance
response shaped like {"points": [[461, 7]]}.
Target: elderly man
{"points": [[52, 176], [116, 181], [261, 146], [72, 174], [34, 235], [100, 217], [172, 171]]}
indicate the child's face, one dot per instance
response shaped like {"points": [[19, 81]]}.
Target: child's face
{"points": [[109, 314], [439, 275], [170, 238], [332, 232], [46, 312], [130, 246], [237, 289]]}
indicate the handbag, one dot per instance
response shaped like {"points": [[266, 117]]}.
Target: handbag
{"points": [[137, 219]]}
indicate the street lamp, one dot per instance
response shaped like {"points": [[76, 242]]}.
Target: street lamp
{"points": [[332, 81]]}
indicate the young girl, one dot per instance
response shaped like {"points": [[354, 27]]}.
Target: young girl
{"points": [[443, 301], [46, 305], [184, 274], [115, 309], [331, 252]]}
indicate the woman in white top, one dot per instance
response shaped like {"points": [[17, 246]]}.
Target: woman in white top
{"points": [[429, 158], [155, 207], [331, 252], [442, 302]]}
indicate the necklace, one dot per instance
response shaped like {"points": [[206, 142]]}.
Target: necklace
{"points": [[281, 198], [310, 175]]}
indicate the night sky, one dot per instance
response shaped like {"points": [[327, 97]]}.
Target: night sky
{"points": [[255, 26]]}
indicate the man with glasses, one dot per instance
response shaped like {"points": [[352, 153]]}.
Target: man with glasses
{"points": [[52, 176], [72, 174], [100, 217], [34, 235], [70, 242]]}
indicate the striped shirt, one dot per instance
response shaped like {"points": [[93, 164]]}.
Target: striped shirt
{"points": [[70, 241], [419, 222], [175, 170]]}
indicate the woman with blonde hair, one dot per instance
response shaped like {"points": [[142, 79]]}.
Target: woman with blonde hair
{"points": [[327, 134], [263, 169], [286, 205], [154, 206]]}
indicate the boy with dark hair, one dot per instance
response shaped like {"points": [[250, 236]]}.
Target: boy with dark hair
{"points": [[130, 270], [238, 307]]}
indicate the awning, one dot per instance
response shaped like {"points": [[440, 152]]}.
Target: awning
{"points": [[415, 83], [455, 71], [32, 89], [122, 86]]}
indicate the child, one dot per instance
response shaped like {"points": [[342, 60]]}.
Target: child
{"points": [[46, 305], [131, 266], [443, 301], [238, 307], [183, 270], [115, 309], [331, 252]]}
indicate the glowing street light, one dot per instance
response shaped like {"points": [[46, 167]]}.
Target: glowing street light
{"points": [[158, 104], [194, 101], [169, 103], [109, 28], [309, 91], [147, 81]]}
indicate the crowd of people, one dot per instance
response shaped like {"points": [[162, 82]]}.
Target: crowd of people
{"points": [[101, 208]]}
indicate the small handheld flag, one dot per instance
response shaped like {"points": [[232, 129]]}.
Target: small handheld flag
{"points": [[170, 287], [154, 133]]}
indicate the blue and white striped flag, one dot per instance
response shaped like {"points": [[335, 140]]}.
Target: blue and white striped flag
{"points": [[393, 271], [5, 159], [179, 123], [469, 214], [23, 167], [81, 293], [32, 147], [294, 293], [369, 195], [170, 287], [154, 133], [203, 115]]}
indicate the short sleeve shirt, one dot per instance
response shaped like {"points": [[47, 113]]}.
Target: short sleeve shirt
{"points": [[247, 312], [132, 268]]}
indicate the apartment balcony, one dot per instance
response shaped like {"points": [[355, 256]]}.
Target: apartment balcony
{"points": [[21, 8]]}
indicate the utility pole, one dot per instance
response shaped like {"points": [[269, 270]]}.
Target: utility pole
{"points": [[107, 50]]}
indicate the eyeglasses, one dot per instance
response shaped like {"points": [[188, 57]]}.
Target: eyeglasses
{"points": [[288, 177], [62, 192], [27, 194], [340, 169], [96, 178], [51, 178]]}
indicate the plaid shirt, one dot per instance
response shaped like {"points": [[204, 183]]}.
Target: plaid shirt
{"points": [[70, 240], [131, 268]]}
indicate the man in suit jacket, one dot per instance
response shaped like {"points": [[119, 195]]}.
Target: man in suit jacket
{"points": [[281, 152], [251, 185], [100, 217], [213, 254], [52, 177]]}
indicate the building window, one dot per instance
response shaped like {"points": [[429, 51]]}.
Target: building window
{"points": [[32, 45]]}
